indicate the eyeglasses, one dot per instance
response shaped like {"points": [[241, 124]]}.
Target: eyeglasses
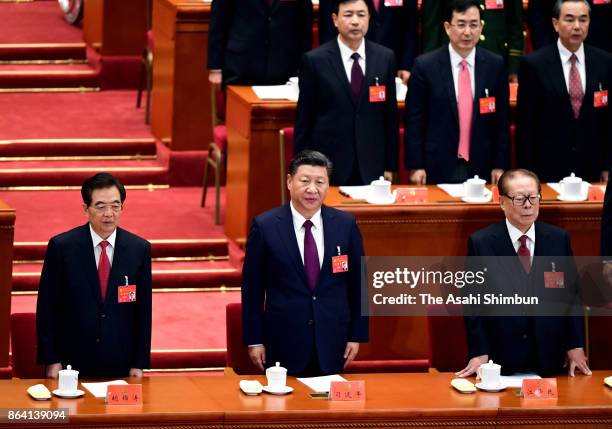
{"points": [[519, 200], [101, 208], [473, 26]]}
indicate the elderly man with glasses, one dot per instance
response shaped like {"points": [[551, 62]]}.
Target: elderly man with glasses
{"points": [[94, 299], [529, 258]]}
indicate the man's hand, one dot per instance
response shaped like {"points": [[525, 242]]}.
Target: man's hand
{"points": [[473, 366], [350, 352], [404, 75], [604, 176], [388, 175], [214, 77], [576, 360], [135, 372], [52, 370], [258, 356], [418, 177], [495, 175]]}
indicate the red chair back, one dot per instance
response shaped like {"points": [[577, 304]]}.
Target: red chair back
{"points": [[237, 356], [23, 346], [286, 137], [447, 339]]}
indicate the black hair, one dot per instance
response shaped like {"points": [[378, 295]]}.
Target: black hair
{"points": [[337, 4], [556, 12], [310, 157], [511, 174], [100, 181], [460, 6]]}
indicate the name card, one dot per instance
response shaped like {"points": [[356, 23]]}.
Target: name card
{"points": [[411, 195], [124, 394], [347, 390], [596, 193], [543, 388]]}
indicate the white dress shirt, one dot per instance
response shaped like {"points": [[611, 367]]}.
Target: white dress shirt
{"points": [[455, 60], [565, 55], [110, 249], [515, 234], [317, 231], [347, 61]]}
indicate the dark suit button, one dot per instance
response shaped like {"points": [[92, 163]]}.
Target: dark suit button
{"points": [[314, 298], [524, 336], [97, 340], [269, 19], [311, 322], [103, 315]]}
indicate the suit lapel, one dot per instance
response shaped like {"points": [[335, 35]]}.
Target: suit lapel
{"points": [[286, 233], [446, 76], [556, 77], [591, 85], [370, 73], [329, 241], [89, 263], [336, 63], [503, 247], [118, 271], [480, 69]]}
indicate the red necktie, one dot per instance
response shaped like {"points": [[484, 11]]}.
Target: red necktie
{"points": [[311, 256], [465, 102], [576, 92], [103, 269], [376, 5], [523, 254]]}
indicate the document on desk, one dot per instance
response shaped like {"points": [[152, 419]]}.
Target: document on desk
{"points": [[99, 389], [356, 192], [272, 92], [321, 384], [453, 189], [516, 380]]}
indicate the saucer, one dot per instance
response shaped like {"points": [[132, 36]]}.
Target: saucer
{"points": [[497, 388], [581, 197], [278, 390], [484, 199], [77, 393], [389, 200]]}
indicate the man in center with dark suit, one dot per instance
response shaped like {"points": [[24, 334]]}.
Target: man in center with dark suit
{"points": [[519, 253], [347, 108], [301, 299], [457, 108]]}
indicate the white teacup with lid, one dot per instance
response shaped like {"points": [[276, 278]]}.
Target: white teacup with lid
{"points": [[276, 376], [474, 187], [380, 192], [489, 374], [571, 187], [294, 86], [68, 380]]}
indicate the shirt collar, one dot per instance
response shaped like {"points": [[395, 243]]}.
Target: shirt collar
{"points": [[298, 219], [97, 239], [566, 53], [456, 58], [346, 52], [516, 233]]}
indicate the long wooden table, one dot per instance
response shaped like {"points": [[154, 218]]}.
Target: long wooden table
{"points": [[392, 401]]}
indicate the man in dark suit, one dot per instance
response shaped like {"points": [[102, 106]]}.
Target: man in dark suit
{"points": [[540, 13], [301, 279], [257, 42], [563, 118], [526, 252], [94, 299], [393, 24], [347, 108], [457, 108]]}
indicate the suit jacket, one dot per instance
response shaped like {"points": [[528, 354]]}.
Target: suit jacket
{"points": [[432, 118], [539, 21], [507, 339], [99, 339], [279, 309], [254, 42], [550, 141], [393, 27], [502, 32], [330, 121], [606, 223]]}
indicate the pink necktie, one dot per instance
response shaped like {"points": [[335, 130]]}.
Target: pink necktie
{"points": [[103, 269], [576, 92], [523, 254], [465, 111], [376, 5]]}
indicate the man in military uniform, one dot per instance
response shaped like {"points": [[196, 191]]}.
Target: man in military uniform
{"points": [[502, 31]]}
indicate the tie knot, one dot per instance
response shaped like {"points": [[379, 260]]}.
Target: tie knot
{"points": [[523, 240], [307, 225], [104, 244], [573, 59], [355, 56], [463, 64]]}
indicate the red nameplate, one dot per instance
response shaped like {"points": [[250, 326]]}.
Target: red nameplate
{"points": [[544, 388], [596, 193], [601, 1], [378, 94], [487, 105], [494, 4], [600, 98], [126, 293], [394, 3], [347, 390], [554, 280], [411, 195], [340, 264], [124, 394]]}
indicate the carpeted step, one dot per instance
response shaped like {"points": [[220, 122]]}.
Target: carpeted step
{"points": [[48, 76], [42, 51], [77, 147], [166, 275], [187, 359], [183, 248]]}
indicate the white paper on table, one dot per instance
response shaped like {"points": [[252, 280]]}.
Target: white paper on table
{"points": [[356, 192], [453, 189], [274, 92], [557, 187], [99, 389], [516, 380], [401, 95], [321, 384]]}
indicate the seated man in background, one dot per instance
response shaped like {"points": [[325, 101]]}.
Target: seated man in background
{"points": [[301, 281], [94, 300]]}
